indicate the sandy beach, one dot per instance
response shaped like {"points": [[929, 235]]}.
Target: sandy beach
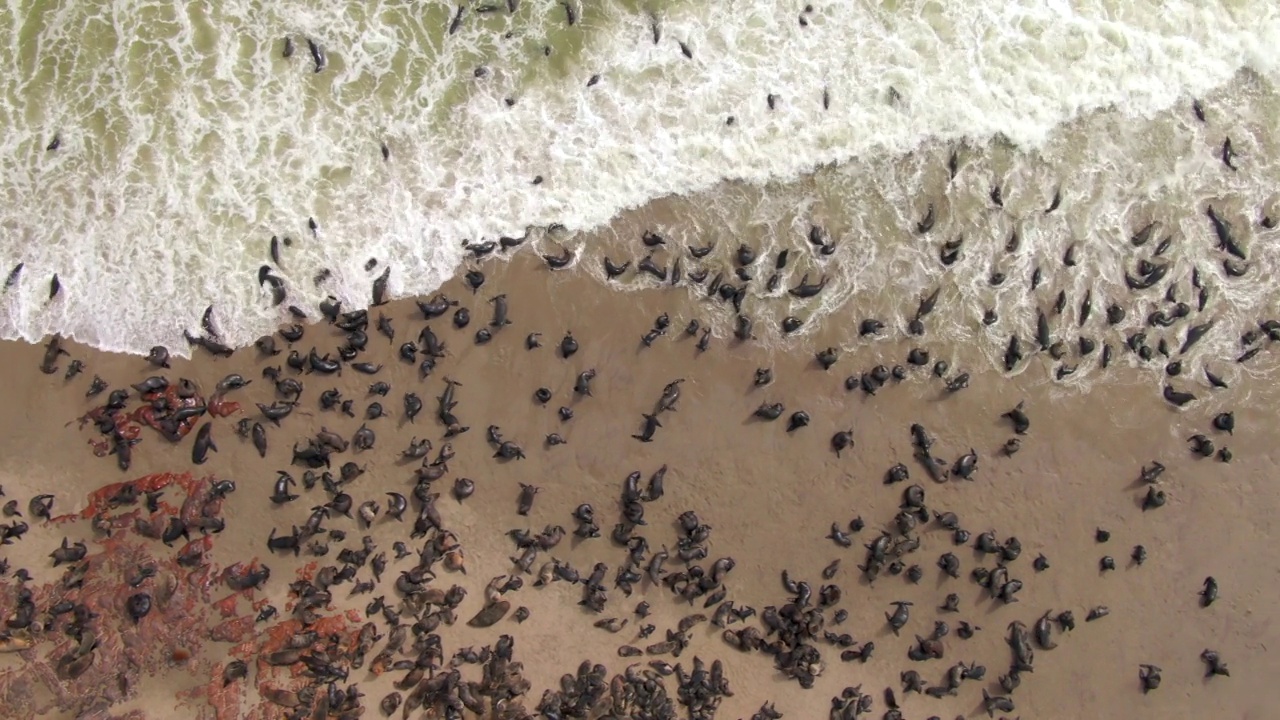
{"points": [[769, 497]]}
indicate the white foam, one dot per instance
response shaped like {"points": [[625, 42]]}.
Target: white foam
{"points": [[187, 141]]}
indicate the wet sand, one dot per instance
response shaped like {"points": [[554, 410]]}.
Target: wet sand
{"points": [[769, 497]]}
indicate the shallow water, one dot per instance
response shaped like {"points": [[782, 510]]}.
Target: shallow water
{"points": [[187, 141]]}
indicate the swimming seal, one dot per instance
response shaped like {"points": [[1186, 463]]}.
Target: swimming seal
{"points": [[320, 61]]}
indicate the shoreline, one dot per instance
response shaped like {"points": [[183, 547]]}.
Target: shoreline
{"points": [[767, 495], [880, 269]]}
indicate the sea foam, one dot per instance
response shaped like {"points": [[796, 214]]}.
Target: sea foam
{"points": [[187, 141]]}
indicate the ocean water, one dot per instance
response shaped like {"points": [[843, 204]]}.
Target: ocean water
{"points": [[186, 141]]}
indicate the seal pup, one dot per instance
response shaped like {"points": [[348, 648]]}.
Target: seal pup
{"points": [[1209, 593], [1213, 663], [1149, 675]]}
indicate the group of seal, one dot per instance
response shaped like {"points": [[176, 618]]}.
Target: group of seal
{"points": [[793, 632], [419, 606]]}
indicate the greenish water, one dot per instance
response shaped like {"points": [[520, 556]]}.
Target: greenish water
{"points": [[150, 55]]}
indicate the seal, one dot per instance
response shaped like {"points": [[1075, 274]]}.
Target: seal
{"points": [[525, 501], [568, 345], [613, 271], [259, 436], [805, 289], [670, 396], [158, 356], [582, 385], [280, 493], [509, 451], [320, 61], [926, 223], [651, 425], [499, 311], [899, 617], [1213, 663], [204, 443], [557, 262], [768, 411], [14, 274], [1177, 397], [649, 267], [1021, 423], [841, 441], [463, 488], [396, 505], [1209, 593]]}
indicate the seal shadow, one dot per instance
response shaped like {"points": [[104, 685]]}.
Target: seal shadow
{"points": [[886, 631], [1137, 483], [994, 605], [942, 579]]}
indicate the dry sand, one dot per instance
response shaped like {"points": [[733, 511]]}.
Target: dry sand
{"points": [[769, 496]]}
